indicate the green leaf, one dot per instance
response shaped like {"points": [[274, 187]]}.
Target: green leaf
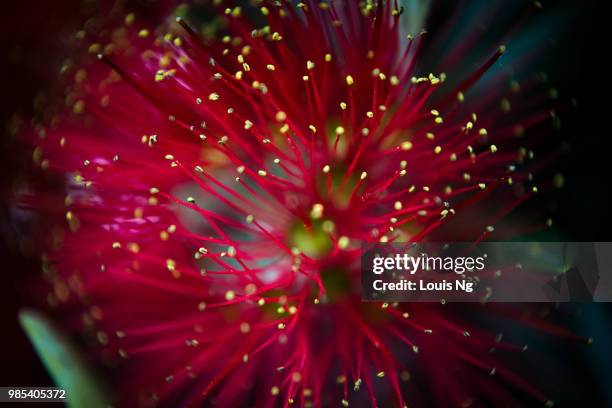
{"points": [[63, 362]]}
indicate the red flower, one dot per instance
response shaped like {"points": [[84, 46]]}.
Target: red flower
{"points": [[218, 187]]}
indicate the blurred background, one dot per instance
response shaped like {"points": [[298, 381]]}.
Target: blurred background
{"points": [[36, 37]]}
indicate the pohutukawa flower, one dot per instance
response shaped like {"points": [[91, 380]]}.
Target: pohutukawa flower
{"points": [[218, 187]]}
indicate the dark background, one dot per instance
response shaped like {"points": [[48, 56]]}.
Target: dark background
{"points": [[33, 42], [29, 46], [35, 38]]}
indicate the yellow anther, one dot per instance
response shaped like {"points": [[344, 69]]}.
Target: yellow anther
{"points": [[406, 145], [280, 116], [317, 211], [343, 242]]}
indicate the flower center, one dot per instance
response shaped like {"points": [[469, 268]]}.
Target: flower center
{"points": [[312, 240]]}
